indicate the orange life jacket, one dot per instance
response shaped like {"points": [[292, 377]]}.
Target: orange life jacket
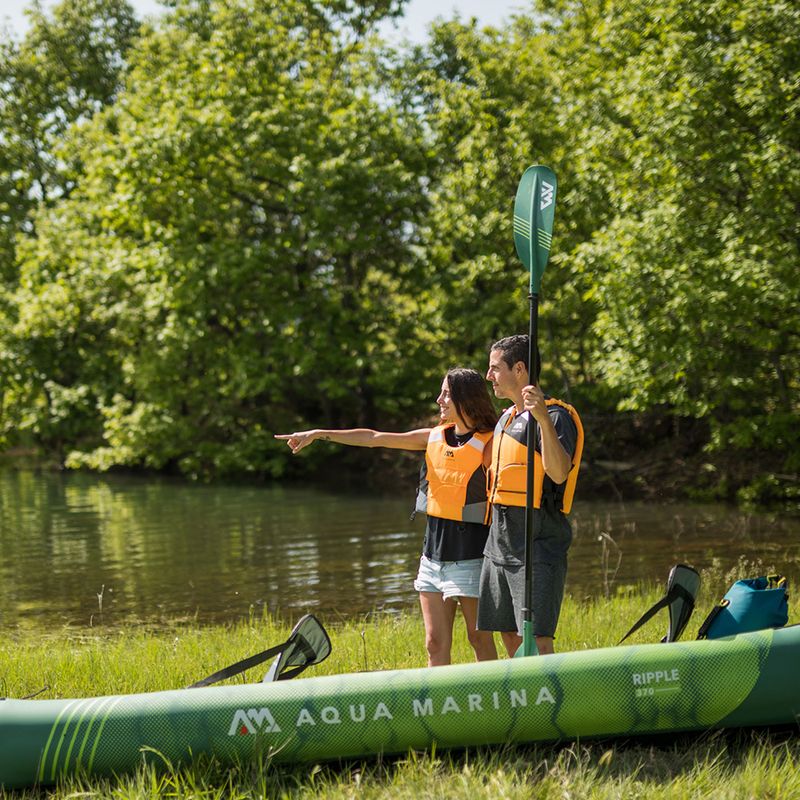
{"points": [[507, 478], [456, 477]]}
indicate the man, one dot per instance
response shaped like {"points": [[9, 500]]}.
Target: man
{"points": [[558, 451]]}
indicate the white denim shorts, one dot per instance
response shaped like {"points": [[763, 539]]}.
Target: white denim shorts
{"points": [[449, 578]]}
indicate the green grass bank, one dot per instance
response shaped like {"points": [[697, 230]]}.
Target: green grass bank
{"points": [[81, 662]]}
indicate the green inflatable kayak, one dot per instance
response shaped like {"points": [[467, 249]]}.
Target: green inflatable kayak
{"points": [[741, 681]]}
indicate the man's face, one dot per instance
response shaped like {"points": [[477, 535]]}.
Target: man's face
{"points": [[504, 379]]}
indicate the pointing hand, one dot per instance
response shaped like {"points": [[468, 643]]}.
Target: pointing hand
{"points": [[297, 441]]}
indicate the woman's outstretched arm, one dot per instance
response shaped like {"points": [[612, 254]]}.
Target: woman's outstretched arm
{"points": [[358, 437]]}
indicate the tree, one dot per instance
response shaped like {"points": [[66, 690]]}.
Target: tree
{"points": [[698, 271], [236, 259], [492, 100], [69, 65], [673, 129]]}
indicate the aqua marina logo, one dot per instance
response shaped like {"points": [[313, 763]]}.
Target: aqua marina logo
{"points": [[260, 720], [252, 721], [546, 196]]}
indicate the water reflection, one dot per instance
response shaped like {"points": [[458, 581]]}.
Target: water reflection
{"points": [[81, 549]]}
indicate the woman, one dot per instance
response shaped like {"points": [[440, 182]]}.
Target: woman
{"points": [[457, 453]]}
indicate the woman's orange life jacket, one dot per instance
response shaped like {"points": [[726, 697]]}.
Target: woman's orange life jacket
{"points": [[456, 477], [508, 472]]}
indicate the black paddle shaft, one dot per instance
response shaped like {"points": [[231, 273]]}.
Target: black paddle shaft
{"points": [[530, 511]]}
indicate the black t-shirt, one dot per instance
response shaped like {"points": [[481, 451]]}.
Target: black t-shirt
{"points": [[449, 539]]}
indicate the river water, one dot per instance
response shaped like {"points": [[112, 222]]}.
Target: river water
{"points": [[87, 550]]}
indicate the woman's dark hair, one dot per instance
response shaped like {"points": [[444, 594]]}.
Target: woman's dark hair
{"points": [[469, 394]]}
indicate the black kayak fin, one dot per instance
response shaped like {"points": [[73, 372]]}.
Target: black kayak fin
{"points": [[682, 585], [308, 644]]}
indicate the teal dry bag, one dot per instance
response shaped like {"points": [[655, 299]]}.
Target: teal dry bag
{"points": [[749, 605]]}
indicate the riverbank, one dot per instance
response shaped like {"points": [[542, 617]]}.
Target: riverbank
{"points": [[628, 456], [84, 662]]}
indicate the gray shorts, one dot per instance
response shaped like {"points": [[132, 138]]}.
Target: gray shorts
{"points": [[502, 595]]}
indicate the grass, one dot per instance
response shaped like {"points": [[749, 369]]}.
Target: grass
{"points": [[74, 662]]}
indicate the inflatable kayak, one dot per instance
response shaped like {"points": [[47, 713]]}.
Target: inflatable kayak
{"points": [[740, 681]]}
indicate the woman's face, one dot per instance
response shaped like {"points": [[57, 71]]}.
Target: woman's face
{"points": [[447, 411]]}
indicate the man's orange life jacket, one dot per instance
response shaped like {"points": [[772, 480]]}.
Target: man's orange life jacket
{"points": [[508, 471]]}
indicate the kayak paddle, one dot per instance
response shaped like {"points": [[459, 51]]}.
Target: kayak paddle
{"points": [[534, 211]]}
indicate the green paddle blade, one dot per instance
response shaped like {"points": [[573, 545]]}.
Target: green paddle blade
{"points": [[534, 211]]}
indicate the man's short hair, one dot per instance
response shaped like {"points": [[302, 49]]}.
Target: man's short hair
{"points": [[515, 348]]}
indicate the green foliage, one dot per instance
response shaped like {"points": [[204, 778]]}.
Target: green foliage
{"points": [[698, 268], [495, 103], [486, 130], [237, 255], [258, 217], [68, 66]]}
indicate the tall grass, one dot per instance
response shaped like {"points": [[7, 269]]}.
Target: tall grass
{"points": [[73, 662]]}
